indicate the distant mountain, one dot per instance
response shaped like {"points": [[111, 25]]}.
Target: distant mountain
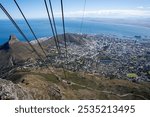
{"points": [[15, 52], [70, 38]]}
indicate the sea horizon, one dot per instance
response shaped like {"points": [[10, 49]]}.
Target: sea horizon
{"points": [[95, 26]]}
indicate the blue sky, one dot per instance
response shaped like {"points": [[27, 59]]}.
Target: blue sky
{"points": [[74, 8]]}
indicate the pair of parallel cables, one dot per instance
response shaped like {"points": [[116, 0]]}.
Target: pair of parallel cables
{"points": [[53, 26], [54, 30]]}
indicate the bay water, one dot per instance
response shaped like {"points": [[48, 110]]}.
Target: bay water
{"points": [[42, 28]]}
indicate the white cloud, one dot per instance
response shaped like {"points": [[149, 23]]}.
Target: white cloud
{"points": [[140, 7], [109, 13]]}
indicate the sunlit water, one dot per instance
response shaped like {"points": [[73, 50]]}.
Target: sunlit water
{"points": [[42, 28]]}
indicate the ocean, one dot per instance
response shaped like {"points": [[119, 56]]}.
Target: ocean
{"points": [[42, 28]]}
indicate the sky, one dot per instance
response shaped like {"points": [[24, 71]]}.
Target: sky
{"points": [[74, 8]]}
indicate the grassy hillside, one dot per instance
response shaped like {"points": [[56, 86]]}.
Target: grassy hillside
{"points": [[42, 84]]}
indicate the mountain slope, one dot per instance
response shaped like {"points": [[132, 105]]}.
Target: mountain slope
{"points": [[90, 73], [42, 84]]}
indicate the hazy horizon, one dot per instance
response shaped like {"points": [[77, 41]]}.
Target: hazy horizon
{"points": [[75, 8]]}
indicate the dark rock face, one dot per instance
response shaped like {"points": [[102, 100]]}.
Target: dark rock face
{"points": [[5, 47], [12, 40]]}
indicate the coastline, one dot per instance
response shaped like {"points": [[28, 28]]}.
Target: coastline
{"points": [[132, 22]]}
